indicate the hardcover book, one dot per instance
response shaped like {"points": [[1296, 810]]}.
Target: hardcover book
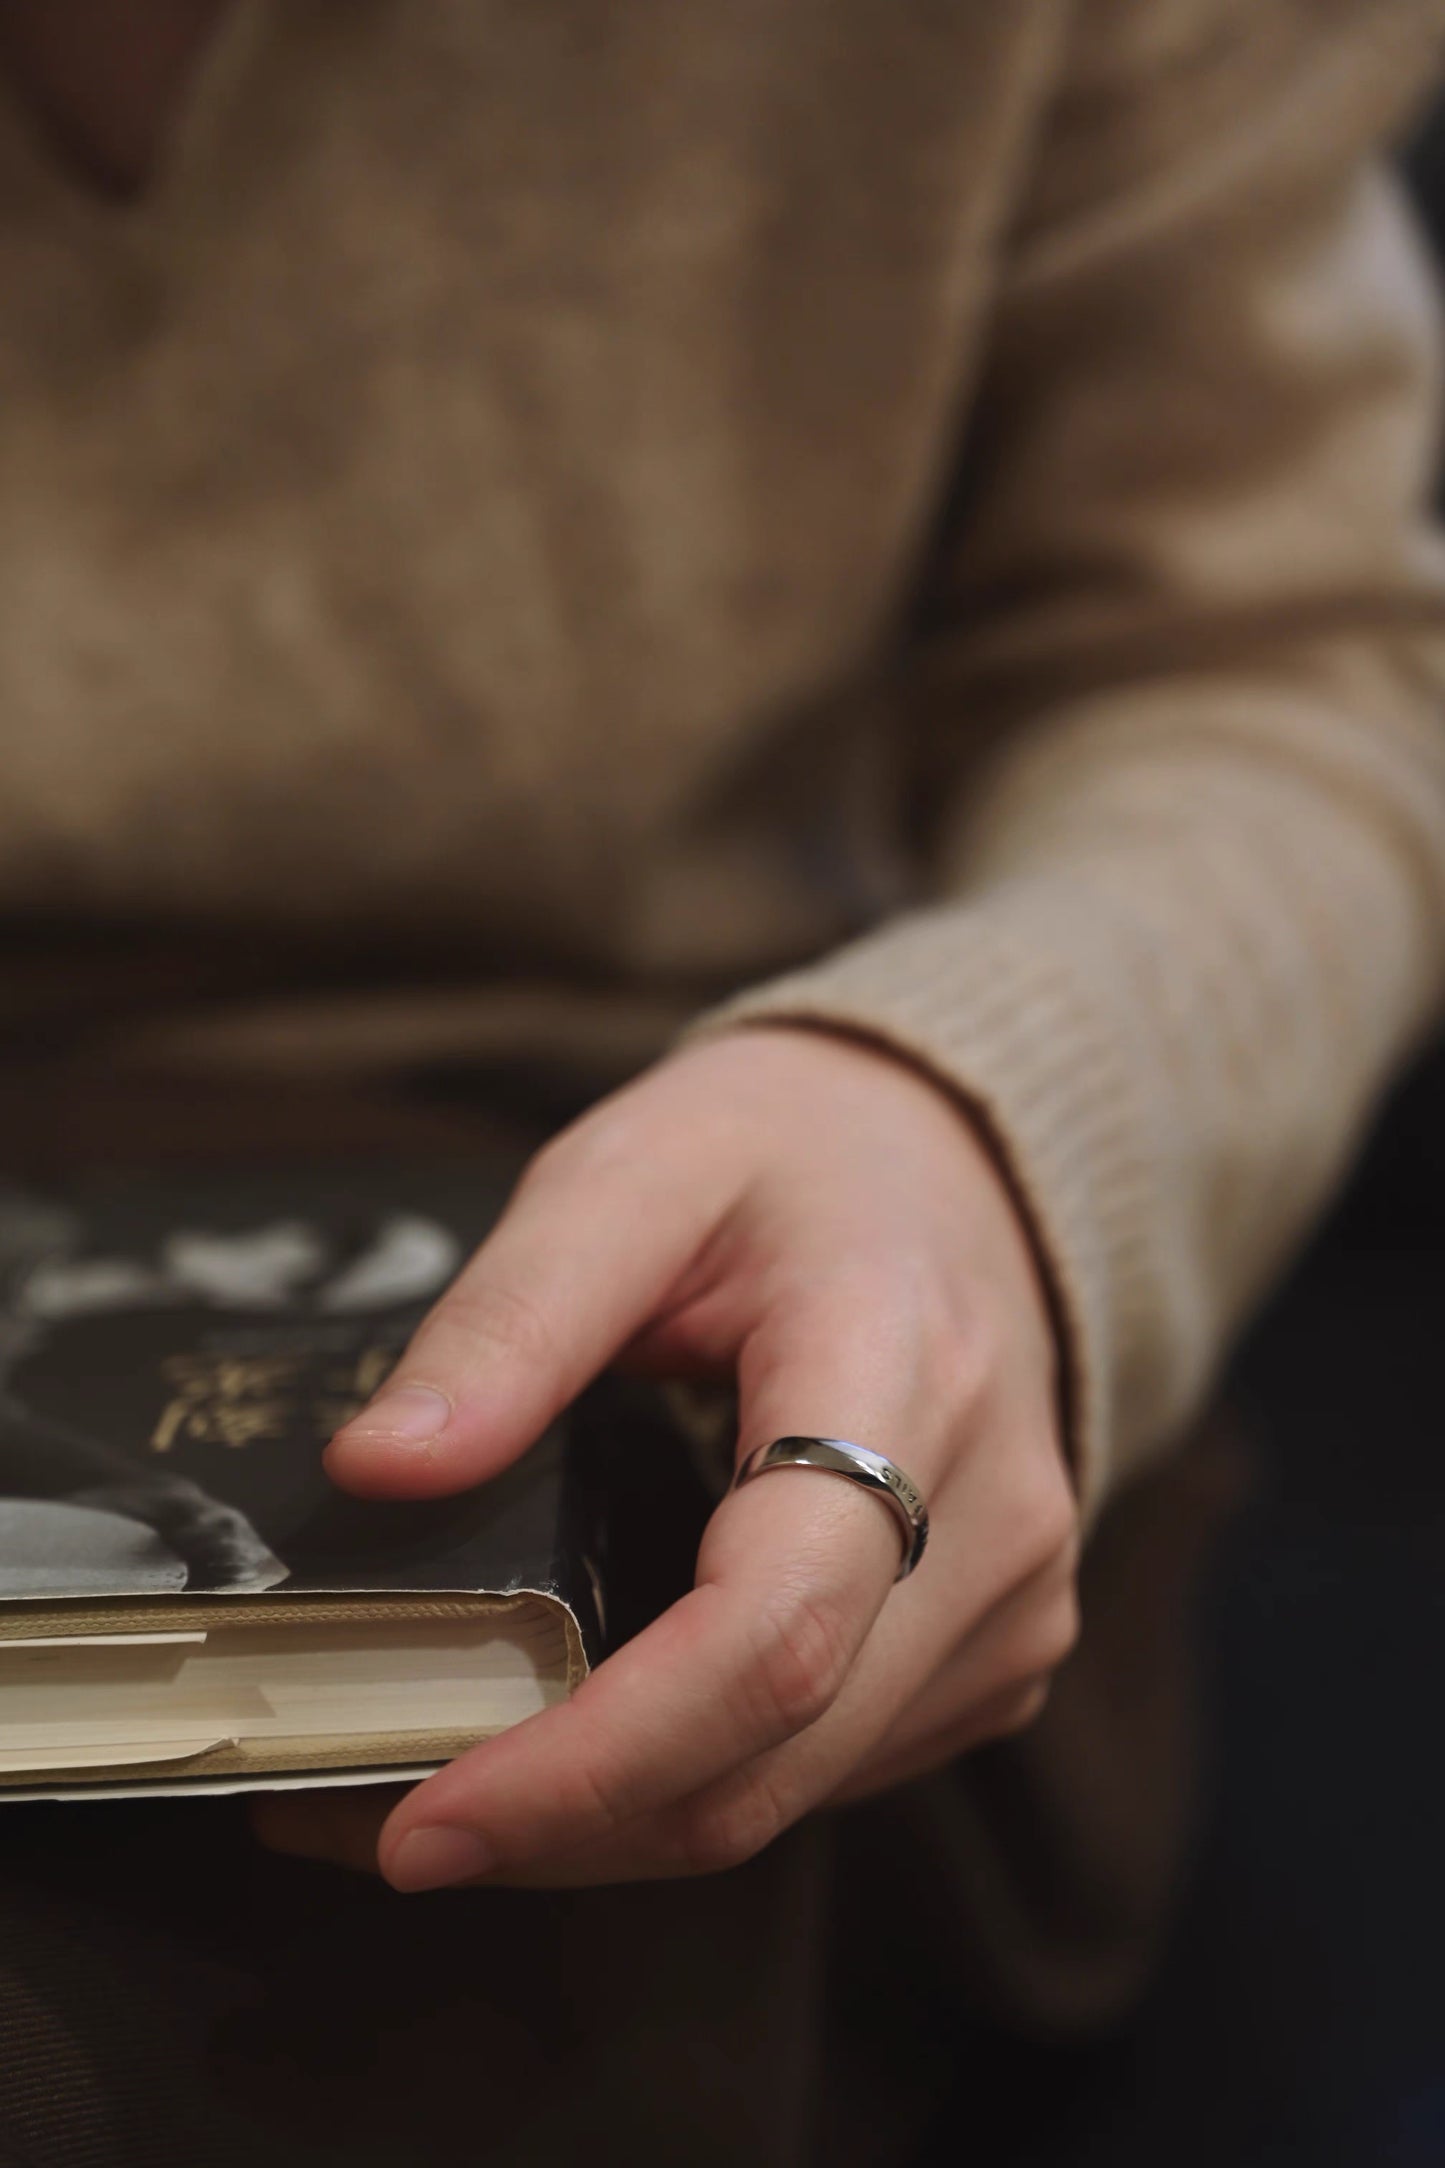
{"points": [[186, 1602]]}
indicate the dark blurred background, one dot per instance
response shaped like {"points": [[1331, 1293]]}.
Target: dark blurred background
{"points": [[1299, 2019]]}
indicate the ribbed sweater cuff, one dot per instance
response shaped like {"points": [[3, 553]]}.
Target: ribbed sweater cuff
{"points": [[987, 999]]}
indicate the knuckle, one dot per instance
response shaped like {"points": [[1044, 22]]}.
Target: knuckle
{"points": [[1045, 1512], [724, 1833], [1023, 1711], [1068, 1628], [1052, 1636], [497, 1321], [802, 1659], [601, 1802], [954, 1342], [971, 1349], [1039, 1640], [540, 1168], [603, 1140]]}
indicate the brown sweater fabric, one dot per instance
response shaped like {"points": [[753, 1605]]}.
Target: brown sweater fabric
{"points": [[915, 512]]}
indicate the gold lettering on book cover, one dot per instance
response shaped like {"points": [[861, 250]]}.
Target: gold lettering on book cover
{"points": [[234, 1400]]}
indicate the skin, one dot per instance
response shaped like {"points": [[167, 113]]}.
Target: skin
{"points": [[823, 1222]]}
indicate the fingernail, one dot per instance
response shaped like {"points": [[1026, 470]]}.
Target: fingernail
{"points": [[407, 1411], [437, 1858]]}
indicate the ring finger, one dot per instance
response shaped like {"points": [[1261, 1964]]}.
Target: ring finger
{"points": [[791, 1577]]}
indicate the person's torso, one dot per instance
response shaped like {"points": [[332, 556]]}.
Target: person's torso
{"points": [[453, 494]]}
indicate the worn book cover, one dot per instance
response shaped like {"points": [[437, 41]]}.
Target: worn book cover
{"points": [[185, 1599]]}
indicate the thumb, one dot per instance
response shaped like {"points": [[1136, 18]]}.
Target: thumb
{"points": [[583, 1258]]}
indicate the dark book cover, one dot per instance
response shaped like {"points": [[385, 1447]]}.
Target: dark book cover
{"points": [[176, 1348]]}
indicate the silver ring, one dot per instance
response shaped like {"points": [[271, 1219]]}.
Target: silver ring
{"points": [[876, 1473]]}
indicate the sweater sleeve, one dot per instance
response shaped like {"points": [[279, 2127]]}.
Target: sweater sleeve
{"points": [[1175, 717]]}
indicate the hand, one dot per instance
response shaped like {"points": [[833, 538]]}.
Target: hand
{"points": [[823, 1222]]}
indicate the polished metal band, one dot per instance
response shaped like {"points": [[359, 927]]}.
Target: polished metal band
{"points": [[836, 1456]]}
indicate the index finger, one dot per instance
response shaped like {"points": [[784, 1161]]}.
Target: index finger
{"points": [[587, 1251]]}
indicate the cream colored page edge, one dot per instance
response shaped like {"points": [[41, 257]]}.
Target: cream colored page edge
{"points": [[100, 1622]]}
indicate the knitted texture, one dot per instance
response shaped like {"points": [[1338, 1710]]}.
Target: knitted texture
{"points": [[916, 511]]}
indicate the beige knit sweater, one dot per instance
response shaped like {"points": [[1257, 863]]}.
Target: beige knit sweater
{"points": [[913, 510]]}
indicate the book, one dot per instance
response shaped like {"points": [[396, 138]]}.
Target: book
{"points": [[186, 1601]]}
